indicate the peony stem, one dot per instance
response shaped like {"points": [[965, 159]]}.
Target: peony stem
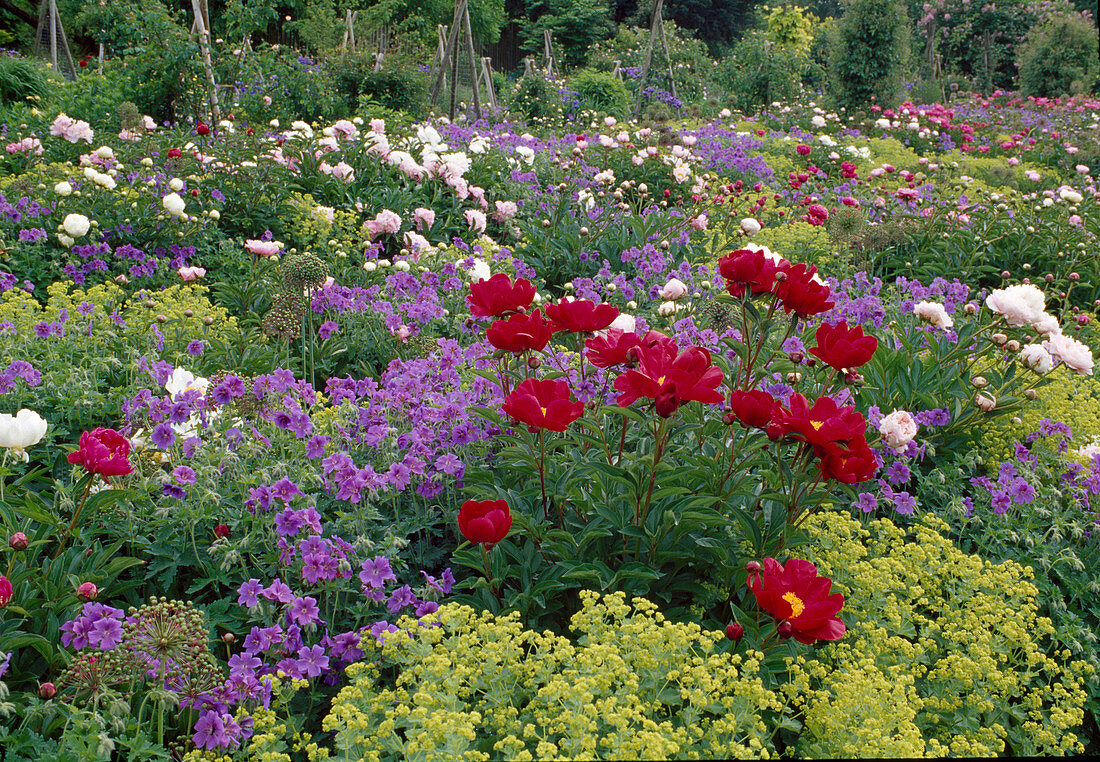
{"points": [[76, 517]]}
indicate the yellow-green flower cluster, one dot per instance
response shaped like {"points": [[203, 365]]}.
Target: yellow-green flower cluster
{"points": [[947, 654], [1069, 398], [187, 312], [810, 241], [310, 225], [481, 686]]}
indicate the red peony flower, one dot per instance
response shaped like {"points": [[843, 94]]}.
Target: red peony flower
{"points": [[802, 293], [486, 521], [581, 315], [824, 425], [498, 296], [104, 452], [794, 593], [754, 408], [521, 333], [174, 153], [221, 530], [543, 404], [751, 268], [202, 128], [849, 466], [670, 380], [611, 348], [843, 347]]}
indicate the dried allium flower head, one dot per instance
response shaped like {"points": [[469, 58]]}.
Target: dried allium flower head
{"points": [[302, 271]]}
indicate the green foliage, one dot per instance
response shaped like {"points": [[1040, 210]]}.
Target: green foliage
{"points": [[946, 653], [628, 684], [156, 54], [23, 79], [575, 25], [815, 74], [693, 67], [538, 99], [1060, 58], [601, 91], [299, 87], [760, 71], [871, 54]]}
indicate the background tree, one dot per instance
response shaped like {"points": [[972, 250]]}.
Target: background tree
{"points": [[574, 24], [871, 54]]}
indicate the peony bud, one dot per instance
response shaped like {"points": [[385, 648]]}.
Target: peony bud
{"points": [[18, 541], [753, 567], [785, 630], [87, 591], [735, 632], [47, 691], [221, 530]]}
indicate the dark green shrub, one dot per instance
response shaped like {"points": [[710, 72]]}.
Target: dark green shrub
{"points": [[601, 91], [759, 71], [1059, 58], [397, 90], [871, 55]]}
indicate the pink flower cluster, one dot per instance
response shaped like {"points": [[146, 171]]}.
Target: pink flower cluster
{"points": [[71, 129]]}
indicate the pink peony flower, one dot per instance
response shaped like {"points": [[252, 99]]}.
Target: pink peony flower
{"points": [[385, 221], [425, 218], [506, 210], [263, 248], [897, 430], [191, 273], [1076, 356], [476, 220]]}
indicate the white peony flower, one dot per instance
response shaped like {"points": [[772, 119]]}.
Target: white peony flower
{"points": [[1036, 358], [173, 204], [183, 380], [63, 189], [76, 225], [934, 313], [22, 430], [1019, 305]]}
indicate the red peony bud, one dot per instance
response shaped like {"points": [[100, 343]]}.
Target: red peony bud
{"points": [[202, 128], [735, 632], [18, 541], [47, 691], [221, 530], [785, 630], [753, 567]]}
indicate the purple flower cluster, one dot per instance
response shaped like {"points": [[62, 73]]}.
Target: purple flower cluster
{"points": [[18, 369], [98, 626]]}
